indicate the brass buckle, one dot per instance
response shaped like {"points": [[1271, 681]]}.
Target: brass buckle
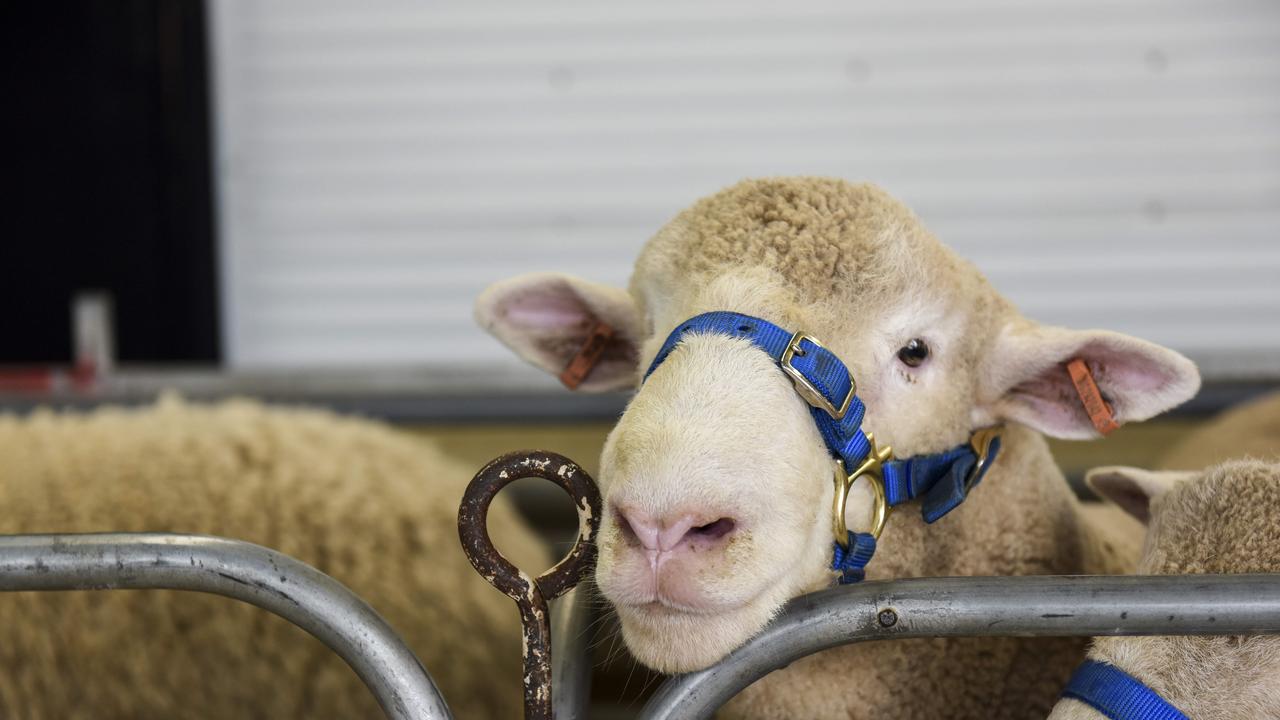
{"points": [[981, 441], [871, 468], [804, 388]]}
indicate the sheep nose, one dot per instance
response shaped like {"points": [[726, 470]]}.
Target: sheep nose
{"points": [[693, 531]]}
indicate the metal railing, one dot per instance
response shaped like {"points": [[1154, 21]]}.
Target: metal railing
{"points": [[898, 609], [1027, 606], [250, 573]]}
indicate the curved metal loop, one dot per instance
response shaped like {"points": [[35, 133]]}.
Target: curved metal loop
{"points": [[531, 594], [872, 469], [981, 441], [243, 571], [473, 522]]}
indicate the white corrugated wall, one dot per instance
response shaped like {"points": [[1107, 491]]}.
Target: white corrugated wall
{"points": [[1108, 164]]}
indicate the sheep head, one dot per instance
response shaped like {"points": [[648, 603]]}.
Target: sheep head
{"points": [[717, 484], [1221, 520]]}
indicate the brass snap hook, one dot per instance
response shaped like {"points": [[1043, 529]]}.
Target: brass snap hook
{"points": [[872, 469], [981, 441], [531, 594]]}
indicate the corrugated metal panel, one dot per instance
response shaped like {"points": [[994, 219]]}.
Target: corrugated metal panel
{"points": [[1107, 164]]}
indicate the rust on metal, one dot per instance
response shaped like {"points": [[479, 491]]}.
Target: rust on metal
{"points": [[531, 594]]}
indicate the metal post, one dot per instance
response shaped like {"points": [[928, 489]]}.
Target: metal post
{"points": [[250, 573], [571, 664], [979, 606]]}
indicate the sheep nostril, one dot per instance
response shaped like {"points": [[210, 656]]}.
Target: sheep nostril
{"points": [[639, 530], [714, 530]]}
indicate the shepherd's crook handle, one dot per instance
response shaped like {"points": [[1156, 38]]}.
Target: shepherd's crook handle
{"points": [[531, 594]]}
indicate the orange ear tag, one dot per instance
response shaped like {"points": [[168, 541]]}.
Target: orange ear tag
{"points": [[1099, 411], [588, 356]]}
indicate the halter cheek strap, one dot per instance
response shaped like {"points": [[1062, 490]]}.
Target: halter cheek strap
{"points": [[940, 480], [1117, 694]]}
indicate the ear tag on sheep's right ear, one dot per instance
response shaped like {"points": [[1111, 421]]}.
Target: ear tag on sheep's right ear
{"points": [[1099, 411], [588, 356]]}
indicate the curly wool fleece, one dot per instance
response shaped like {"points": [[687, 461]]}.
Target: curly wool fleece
{"points": [[825, 239], [1222, 521], [370, 506]]}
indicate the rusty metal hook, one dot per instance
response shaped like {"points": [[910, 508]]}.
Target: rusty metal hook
{"points": [[531, 594]]}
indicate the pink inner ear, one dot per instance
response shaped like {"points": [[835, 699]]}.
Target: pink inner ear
{"points": [[546, 309], [1129, 371], [1051, 399], [1056, 405]]}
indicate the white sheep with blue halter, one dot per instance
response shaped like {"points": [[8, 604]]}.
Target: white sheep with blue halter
{"points": [[718, 484]]}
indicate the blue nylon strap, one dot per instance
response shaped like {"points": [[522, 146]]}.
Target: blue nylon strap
{"points": [[941, 479], [819, 366], [765, 335], [852, 563], [1117, 694]]}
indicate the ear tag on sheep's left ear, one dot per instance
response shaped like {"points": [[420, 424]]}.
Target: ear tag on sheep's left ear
{"points": [[588, 356], [1099, 411], [531, 594]]}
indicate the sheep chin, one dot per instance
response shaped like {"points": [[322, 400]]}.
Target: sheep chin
{"points": [[674, 641]]}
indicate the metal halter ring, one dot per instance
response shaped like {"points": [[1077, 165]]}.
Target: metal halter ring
{"points": [[981, 441], [872, 470]]}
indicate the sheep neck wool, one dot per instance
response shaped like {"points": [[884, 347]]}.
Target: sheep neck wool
{"points": [[941, 480]]}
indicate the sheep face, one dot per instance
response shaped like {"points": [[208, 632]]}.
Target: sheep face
{"points": [[718, 488]]}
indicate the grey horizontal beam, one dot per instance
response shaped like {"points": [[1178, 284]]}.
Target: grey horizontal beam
{"points": [[250, 573], [979, 606], [417, 395]]}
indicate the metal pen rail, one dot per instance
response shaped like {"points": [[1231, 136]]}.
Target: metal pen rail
{"points": [[1028, 606], [1048, 606], [250, 573]]}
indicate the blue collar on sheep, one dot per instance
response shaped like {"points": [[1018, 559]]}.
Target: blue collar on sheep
{"points": [[1117, 694], [941, 480]]}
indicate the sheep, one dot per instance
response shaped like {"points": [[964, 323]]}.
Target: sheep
{"points": [[372, 507], [1220, 520], [718, 487], [1252, 429]]}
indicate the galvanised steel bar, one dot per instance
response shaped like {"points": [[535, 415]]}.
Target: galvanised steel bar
{"points": [[571, 662], [250, 573], [979, 606]]}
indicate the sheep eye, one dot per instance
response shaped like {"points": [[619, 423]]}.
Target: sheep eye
{"points": [[914, 353]]}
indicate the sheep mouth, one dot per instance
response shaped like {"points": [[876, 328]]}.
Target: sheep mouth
{"points": [[672, 640], [660, 608]]}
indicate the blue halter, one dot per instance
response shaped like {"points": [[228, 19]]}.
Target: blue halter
{"points": [[1117, 694], [941, 480]]}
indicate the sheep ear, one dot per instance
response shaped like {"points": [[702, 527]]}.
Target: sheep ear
{"points": [[1133, 489], [1025, 378], [547, 318]]}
